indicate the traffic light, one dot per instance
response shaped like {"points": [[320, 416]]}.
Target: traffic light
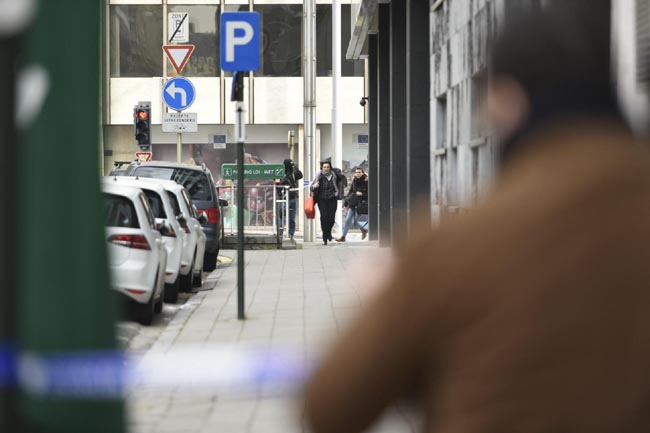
{"points": [[142, 123]]}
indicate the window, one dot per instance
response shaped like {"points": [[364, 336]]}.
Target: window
{"points": [[324, 43], [119, 212], [189, 204], [281, 40], [478, 98], [441, 122], [136, 36], [174, 201], [147, 210], [194, 181], [204, 34], [155, 201]]}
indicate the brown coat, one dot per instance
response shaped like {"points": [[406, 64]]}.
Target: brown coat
{"points": [[530, 314]]}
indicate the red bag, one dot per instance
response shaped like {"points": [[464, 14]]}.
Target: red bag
{"points": [[310, 208]]}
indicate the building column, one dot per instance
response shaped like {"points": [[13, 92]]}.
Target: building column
{"points": [[383, 175], [398, 152], [418, 84], [373, 148]]}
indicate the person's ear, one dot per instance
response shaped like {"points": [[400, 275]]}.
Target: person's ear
{"points": [[508, 106]]}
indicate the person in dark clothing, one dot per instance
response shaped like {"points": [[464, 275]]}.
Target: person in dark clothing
{"points": [[326, 193], [357, 204], [291, 177]]}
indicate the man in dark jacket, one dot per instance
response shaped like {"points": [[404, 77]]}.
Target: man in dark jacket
{"points": [[357, 204], [326, 194], [291, 177]]}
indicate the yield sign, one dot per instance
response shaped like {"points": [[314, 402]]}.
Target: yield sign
{"points": [[178, 55], [143, 156]]}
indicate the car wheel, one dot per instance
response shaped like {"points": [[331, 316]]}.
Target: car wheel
{"points": [[186, 280], [171, 291], [144, 312], [158, 306], [210, 261], [198, 278]]}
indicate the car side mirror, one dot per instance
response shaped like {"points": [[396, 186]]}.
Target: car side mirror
{"points": [[164, 228], [223, 203], [202, 217], [181, 220]]}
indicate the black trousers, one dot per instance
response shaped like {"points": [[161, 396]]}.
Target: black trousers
{"points": [[327, 208]]}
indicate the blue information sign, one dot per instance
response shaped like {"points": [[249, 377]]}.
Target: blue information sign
{"points": [[179, 93], [240, 41]]}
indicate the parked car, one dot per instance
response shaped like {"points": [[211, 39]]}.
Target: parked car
{"points": [[191, 221], [198, 181], [173, 240], [137, 256]]}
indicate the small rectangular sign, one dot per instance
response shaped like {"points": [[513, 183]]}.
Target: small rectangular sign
{"points": [[254, 171], [218, 141], [179, 27], [180, 122]]}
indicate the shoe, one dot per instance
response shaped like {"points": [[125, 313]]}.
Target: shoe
{"points": [[364, 235], [341, 239], [325, 241]]}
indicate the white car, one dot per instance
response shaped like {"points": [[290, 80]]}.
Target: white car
{"points": [[137, 256], [190, 220], [174, 240]]}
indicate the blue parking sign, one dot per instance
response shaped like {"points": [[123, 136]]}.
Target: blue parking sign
{"points": [[240, 41]]}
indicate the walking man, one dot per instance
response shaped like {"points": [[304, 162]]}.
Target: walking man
{"points": [[326, 194], [357, 204], [291, 177]]}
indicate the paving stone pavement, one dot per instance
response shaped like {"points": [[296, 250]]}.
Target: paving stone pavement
{"points": [[299, 299]]}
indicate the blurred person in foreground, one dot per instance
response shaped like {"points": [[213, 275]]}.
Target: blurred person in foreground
{"points": [[532, 313]]}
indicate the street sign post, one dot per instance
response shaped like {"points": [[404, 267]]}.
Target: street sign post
{"points": [[253, 171], [240, 41], [178, 55], [179, 27], [180, 122], [240, 51], [178, 94]]}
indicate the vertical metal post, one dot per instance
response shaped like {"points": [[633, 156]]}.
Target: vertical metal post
{"points": [[179, 146], [240, 133], [309, 69], [275, 209], [337, 128]]}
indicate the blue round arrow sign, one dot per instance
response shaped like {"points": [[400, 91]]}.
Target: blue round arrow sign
{"points": [[179, 93]]}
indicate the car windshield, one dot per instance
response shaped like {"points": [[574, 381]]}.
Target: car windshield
{"points": [[195, 182], [155, 201], [119, 212], [174, 202]]}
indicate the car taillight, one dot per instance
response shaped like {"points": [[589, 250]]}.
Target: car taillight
{"points": [[138, 242], [213, 215], [171, 233]]}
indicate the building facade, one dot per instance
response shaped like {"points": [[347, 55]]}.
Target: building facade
{"points": [[136, 69]]}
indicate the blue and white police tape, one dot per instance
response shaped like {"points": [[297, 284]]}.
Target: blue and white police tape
{"points": [[115, 374]]}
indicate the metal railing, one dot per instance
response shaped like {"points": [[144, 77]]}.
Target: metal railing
{"points": [[261, 209]]}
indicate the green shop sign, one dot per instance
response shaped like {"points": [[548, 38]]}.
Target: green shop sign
{"points": [[254, 171]]}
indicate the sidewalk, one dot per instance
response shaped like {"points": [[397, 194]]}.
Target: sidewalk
{"points": [[298, 299]]}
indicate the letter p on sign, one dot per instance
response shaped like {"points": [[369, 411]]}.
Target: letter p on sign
{"points": [[240, 41]]}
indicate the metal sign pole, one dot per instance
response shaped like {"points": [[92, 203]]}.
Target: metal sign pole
{"points": [[179, 146], [240, 133]]}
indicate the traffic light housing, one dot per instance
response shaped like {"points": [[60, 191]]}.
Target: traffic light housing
{"points": [[142, 123]]}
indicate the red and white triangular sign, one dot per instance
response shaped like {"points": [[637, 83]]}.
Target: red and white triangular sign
{"points": [[178, 55], [143, 156]]}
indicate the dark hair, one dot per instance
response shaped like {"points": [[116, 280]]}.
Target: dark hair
{"points": [[561, 58]]}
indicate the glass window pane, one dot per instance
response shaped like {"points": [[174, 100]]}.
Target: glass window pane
{"points": [[156, 203], [136, 36], [174, 202], [204, 35], [281, 40], [119, 212], [324, 43]]}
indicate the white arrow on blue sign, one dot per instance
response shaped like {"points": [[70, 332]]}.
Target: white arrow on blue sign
{"points": [[240, 41], [179, 93]]}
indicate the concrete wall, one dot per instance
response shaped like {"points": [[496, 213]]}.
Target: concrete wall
{"points": [[463, 154]]}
